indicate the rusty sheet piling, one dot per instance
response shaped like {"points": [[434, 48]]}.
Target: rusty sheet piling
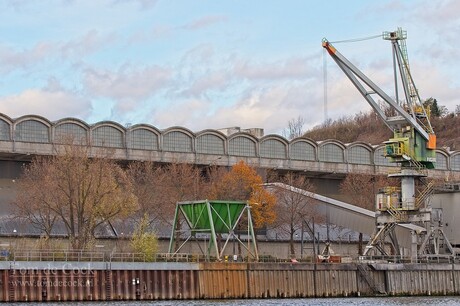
{"points": [[73, 281]]}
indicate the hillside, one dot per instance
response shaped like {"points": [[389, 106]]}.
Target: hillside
{"points": [[369, 128]]}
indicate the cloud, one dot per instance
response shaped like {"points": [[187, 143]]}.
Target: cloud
{"points": [[439, 25], [205, 22], [217, 80], [190, 113], [17, 5], [88, 43], [271, 107], [391, 6], [203, 53], [231, 91], [290, 68], [155, 33], [237, 79], [268, 107], [52, 102], [437, 13], [202, 71], [143, 4], [128, 86], [14, 58], [343, 99], [11, 59], [436, 84]]}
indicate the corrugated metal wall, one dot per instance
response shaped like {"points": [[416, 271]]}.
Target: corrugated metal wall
{"points": [[421, 282], [223, 280], [152, 285], [95, 285], [271, 280]]}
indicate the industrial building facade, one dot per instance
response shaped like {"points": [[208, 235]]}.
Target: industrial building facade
{"points": [[35, 135]]}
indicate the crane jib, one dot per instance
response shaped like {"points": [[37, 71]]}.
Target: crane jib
{"points": [[411, 127]]}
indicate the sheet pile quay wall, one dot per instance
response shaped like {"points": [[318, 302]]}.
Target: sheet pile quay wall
{"points": [[76, 281]]}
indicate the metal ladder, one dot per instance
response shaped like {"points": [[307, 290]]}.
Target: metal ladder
{"points": [[108, 285], [406, 68], [11, 289]]}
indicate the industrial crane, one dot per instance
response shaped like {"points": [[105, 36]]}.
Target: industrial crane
{"points": [[414, 141], [412, 147]]}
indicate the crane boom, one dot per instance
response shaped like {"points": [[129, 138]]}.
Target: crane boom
{"points": [[412, 147], [414, 140]]}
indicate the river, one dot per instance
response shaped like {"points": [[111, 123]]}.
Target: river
{"points": [[380, 301]]}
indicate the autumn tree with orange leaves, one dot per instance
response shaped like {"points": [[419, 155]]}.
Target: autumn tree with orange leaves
{"points": [[242, 183]]}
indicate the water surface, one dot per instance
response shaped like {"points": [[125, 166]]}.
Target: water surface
{"points": [[380, 301]]}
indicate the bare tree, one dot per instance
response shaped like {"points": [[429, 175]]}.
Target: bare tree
{"points": [[293, 208], [80, 192], [37, 212], [362, 188], [159, 187], [147, 180], [295, 128], [181, 182]]}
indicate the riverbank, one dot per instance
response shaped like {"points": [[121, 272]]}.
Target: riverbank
{"points": [[27, 281]]}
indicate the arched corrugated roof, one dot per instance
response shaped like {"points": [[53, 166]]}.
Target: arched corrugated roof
{"points": [[34, 118], [77, 121], [146, 127], [113, 124], [178, 129]]}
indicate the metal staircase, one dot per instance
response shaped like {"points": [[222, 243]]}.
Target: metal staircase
{"points": [[413, 162], [398, 215], [365, 273], [424, 194]]}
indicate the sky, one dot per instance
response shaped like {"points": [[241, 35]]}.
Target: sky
{"points": [[213, 64]]}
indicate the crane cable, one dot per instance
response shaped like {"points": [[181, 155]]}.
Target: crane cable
{"points": [[325, 67], [325, 85], [356, 39]]}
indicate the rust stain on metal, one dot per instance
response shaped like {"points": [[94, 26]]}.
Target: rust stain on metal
{"points": [[219, 281]]}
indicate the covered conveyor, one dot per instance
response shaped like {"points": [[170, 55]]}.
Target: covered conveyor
{"points": [[352, 217]]}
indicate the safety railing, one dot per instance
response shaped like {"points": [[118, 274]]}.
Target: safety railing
{"points": [[56, 255], [159, 257], [87, 256]]}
